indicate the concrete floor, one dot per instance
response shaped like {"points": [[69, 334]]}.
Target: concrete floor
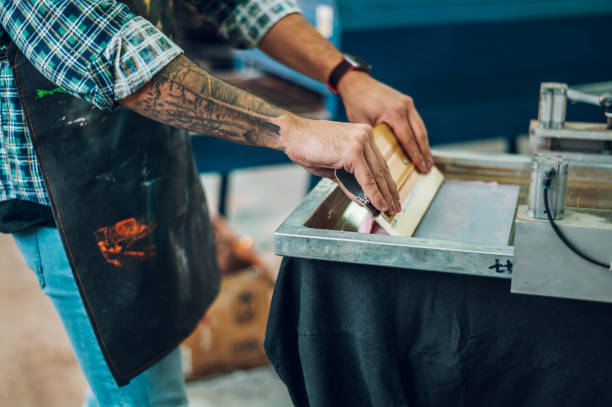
{"points": [[260, 199], [254, 388]]}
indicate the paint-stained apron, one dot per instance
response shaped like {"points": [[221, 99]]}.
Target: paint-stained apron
{"points": [[133, 218]]}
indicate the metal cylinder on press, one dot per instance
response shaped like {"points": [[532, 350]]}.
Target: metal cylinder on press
{"points": [[556, 167]]}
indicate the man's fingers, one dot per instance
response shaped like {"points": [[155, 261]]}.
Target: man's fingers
{"points": [[366, 179], [388, 179], [420, 132], [407, 139], [378, 170]]}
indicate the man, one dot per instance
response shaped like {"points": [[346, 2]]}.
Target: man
{"points": [[127, 256]]}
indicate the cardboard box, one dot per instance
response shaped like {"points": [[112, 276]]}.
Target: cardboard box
{"points": [[231, 334]]}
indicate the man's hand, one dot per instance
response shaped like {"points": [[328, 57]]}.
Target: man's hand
{"points": [[322, 146], [295, 43], [367, 100]]}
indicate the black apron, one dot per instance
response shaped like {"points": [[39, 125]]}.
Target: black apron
{"points": [[133, 219]]}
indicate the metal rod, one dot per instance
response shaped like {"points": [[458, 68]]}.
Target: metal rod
{"points": [[577, 96]]}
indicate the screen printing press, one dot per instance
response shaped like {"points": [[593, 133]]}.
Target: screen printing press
{"points": [[479, 222], [484, 304]]}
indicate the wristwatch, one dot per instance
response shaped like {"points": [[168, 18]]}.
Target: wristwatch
{"points": [[349, 63]]}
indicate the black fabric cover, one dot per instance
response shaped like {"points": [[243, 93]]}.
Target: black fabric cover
{"points": [[355, 335], [133, 218]]}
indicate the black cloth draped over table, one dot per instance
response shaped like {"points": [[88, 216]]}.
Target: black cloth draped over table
{"points": [[355, 335]]}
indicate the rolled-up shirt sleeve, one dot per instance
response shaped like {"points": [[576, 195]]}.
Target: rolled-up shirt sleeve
{"points": [[96, 50], [245, 22]]}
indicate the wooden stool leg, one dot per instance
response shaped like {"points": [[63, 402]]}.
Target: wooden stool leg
{"points": [[223, 193]]}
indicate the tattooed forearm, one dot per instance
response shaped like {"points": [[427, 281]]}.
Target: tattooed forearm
{"points": [[186, 96]]}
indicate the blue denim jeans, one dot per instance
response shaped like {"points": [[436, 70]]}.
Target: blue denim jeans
{"points": [[160, 385]]}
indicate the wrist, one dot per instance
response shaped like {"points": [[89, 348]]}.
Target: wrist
{"points": [[352, 80], [288, 124]]}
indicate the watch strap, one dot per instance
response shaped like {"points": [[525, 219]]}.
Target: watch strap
{"points": [[338, 72]]}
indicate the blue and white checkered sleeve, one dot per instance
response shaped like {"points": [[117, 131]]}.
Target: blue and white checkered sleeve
{"points": [[245, 22], [96, 50], [134, 56]]}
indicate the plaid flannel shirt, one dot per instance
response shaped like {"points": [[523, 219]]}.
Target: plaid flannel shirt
{"points": [[245, 22], [98, 51]]}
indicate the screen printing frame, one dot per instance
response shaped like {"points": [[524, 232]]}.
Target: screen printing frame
{"points": [[307, 233]]}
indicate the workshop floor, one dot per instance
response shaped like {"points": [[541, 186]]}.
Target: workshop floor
{"points": [[36, 365]]}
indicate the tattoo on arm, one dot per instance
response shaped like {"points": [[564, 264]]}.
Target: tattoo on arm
{"points": [[186, 96]]}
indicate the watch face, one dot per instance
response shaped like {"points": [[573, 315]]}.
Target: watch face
{"points": [[359, 62]]}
